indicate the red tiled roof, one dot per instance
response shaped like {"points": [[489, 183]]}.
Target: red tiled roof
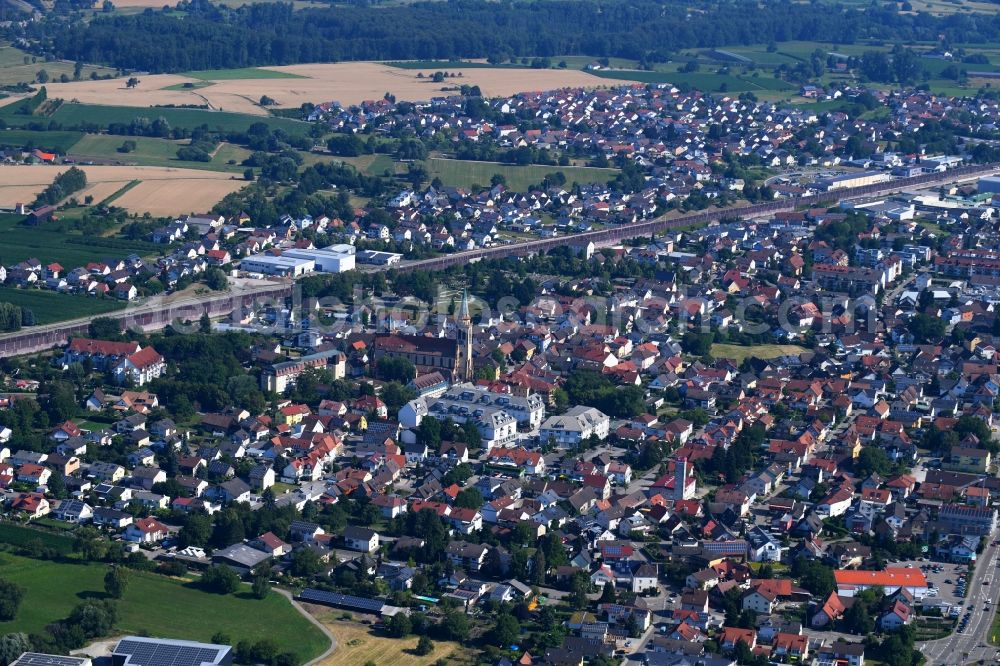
{"points": [[103, 347], [145, 358], [891, 577]]}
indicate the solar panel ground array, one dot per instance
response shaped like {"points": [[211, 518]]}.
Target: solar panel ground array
{"points": [[347, 601]]}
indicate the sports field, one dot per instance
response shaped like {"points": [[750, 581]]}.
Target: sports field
{"points": [[155, 605]]}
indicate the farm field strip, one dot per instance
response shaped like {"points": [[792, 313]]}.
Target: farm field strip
{"points": [[163, 191], [292, 85], [173, 197]]}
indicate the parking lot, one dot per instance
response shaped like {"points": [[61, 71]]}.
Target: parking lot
{"points": [[944, 579]]}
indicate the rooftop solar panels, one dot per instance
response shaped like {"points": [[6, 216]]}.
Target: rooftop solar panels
{"points": [[134, 651], [348, 601], [39, 659]]}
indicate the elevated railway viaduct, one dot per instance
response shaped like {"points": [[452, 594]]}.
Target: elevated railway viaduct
{"points": [[157, 313]]}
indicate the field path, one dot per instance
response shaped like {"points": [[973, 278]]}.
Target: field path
{"points": [[322, 627]]}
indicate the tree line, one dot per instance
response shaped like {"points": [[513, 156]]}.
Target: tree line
{"points": [[68, 182], [212, 36], [13, 317]]}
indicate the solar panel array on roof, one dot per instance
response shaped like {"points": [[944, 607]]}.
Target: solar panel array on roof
{"points": [[342, 600], [39, 659], [164, 652]]}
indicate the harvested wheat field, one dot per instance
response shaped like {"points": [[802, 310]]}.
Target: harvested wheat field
{"points": [[347, 83], [173, 197], [15, 194], [162, 190], [101, 191]]}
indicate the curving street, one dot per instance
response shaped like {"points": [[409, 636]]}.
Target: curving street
{"points": [[972, 645]]}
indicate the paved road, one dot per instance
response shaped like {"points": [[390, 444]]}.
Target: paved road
{"points": [[967, 647]]}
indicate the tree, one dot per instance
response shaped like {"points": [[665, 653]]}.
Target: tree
{"points": [[42, 76], [205, 323], [699, 344], [455, 625], [220, 579], [608, 594], [196, 530], [57, 485], [857, 620], [538, 567], [926, 328], [872, 459], [216, 279], [261, 586], [13, 646], [104, 328], [424, 646], [11, 595], [396, 369], [815, 577], [116, 581], [132, 82], [60, 403], [429, 433], [305, 562], [469, 498], [506, 631], [579, 586], [399, 625]]}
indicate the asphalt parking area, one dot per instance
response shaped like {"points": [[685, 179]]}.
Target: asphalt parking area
{"points": [[938, 574]]}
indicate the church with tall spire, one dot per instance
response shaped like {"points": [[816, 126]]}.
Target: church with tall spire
{"points": [[430, 353], [463, 341]]}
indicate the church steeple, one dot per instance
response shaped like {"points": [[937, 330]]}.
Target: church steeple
{"points": [[463, 341], [463, 309]]}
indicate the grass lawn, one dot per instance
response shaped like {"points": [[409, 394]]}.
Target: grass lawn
{"points": [[14, 70], [357, 645], [995, 629], [740, 352], [189, 85], [157, 606], [151, 151], [58, 142], [72, 114], [242, 73], [460, 173]]}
